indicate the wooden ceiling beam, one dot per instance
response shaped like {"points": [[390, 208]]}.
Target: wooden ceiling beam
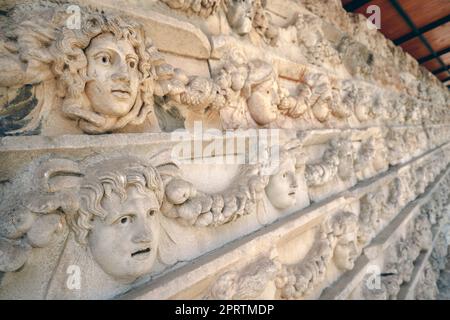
{"points": [[412, 25], [423, 29], [431, 56], [354, 5]]}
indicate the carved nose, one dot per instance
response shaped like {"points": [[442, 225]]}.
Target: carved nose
{"points": [[123, 77], [354, 248], [276, 99], [121, 74], [143, 234], [294, 182]]}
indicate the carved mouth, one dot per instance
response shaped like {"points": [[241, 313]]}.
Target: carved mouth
{"points": [[121, 93], [292, 193], [141, 254]]}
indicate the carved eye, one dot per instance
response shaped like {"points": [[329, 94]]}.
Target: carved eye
{"points": [[105, 59], [284, 175], [152, 212], [132, 64], [124, 220]]}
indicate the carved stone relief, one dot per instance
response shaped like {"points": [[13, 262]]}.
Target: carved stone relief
{"points": [[105, 75], [338, 246], [311, 38], [87, 111]]}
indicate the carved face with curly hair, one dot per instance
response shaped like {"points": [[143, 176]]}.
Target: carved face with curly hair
{"points": [[240, 14], [262, 92], [118, 217], [345, 229], [106, 73]]}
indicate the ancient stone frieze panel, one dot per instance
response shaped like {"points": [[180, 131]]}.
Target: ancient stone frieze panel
{"points": [[130, 151]]}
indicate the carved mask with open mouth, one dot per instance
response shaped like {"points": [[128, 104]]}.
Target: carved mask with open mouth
{"points": [[125, 243]]}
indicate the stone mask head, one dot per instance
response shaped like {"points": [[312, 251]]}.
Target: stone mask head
{"points": [[113, 75], [345, 228], [263, 93], [118, 218], [240, 14], [105, 73], [282, 187]]}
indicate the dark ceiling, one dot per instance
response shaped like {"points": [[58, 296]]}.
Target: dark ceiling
{"points": [[420, 27]]}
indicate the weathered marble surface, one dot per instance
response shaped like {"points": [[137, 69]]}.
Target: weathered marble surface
{"points": [[103, 194]]}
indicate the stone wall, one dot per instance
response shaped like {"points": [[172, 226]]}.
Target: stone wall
{"points": [[217, 149]]}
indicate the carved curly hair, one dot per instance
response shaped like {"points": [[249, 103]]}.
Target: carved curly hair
{"points": [[113, 176], [343, 223], [70, 66]]}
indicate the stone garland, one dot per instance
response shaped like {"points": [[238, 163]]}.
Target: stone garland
{"points": [[299, 281], [245, 93], [355, 48], [109, 75], [401, 258], [80, 195]]}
